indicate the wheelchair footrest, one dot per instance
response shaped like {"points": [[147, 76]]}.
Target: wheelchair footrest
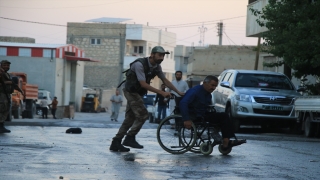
{"points": [[237, 142]]}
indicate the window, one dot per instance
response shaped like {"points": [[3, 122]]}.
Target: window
{"points": [[185, 60], [3, 51], [263, 81], [25, 52], [95, 41], [47, 53], [138, 49]]}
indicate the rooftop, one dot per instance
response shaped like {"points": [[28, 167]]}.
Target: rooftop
{"points": [[108, 20]]}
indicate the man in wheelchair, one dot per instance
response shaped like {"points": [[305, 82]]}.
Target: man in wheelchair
{"points": [[194, 105]]}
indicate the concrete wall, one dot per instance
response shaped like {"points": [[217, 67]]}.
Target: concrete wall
{"points": [[106, 73], [62, 78], [181, 57], [40, 71], [215, 59], [252, 27], [17, 39]]}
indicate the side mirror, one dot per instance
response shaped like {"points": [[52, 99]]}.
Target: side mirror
{"points": [[225, 84], [15, 80], [301, 89]]}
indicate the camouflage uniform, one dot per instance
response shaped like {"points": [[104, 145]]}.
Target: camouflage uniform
{"points": [[136, 115], [136, 112], [5, 97], [4, 107]]}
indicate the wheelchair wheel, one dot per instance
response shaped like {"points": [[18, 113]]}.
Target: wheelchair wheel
{"points": [[171, 139], [199, 140], [206, 148], [224, 152]]}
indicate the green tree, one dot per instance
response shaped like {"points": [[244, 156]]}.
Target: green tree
{"points": [[293, 34]]}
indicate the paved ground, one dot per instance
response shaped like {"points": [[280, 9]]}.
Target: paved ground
{"points": [[93, 120], [40, 149]]}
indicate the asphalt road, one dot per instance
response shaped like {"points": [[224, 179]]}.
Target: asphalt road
{"points": [[40, 149]]}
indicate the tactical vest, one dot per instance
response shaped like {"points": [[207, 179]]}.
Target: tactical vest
{"points": [[132, 84], [6, 88]]}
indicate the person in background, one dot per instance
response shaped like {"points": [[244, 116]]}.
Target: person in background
{"points": [[44, 107], [163, 103], [54, 105], [182, 86], [116, 104]]}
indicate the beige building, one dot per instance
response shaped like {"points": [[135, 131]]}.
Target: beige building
{"points": [[214, 59], [116, 45]]}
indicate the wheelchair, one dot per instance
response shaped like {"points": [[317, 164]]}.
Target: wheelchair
{"points": [[174, 138]]}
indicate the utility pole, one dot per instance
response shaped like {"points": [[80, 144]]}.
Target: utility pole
{"points": [[220, 32], [257, 54], [202, 30]]}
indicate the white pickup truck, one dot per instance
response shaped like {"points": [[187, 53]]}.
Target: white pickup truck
{"points": [[307, 109]]}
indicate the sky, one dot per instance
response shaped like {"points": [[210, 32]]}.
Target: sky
{"points": [[30, 18]]}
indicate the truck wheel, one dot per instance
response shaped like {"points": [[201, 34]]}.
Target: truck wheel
{"points": [[32, 111], [308, 127], [17, 113], [236, 122]]}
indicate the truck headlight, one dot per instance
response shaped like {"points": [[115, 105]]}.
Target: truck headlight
{"points": [[243, 97]]}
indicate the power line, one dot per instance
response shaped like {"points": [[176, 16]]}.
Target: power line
{"points": [[146, 28], [229, 38], [168, 26], [204, 22]]}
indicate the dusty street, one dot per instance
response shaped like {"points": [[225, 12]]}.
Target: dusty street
{"points": [[40, 149]]}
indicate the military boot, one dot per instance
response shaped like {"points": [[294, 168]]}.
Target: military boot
{"points": [[117, 146], [3, 129], [131, 141]]}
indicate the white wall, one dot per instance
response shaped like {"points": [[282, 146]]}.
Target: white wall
{"points": [[79, 84], [252, 27], [40, 71]]}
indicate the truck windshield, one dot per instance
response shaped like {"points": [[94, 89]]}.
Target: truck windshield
{"points": [[263, 81]]}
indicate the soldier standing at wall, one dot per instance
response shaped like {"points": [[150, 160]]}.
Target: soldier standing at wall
{"points": [[6, 89]]}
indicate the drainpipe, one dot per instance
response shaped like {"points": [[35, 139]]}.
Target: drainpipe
{"points": [[257, 54]]}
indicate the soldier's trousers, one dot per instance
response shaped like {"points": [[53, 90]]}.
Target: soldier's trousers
{"points": [[136, 115], [4, 107]]}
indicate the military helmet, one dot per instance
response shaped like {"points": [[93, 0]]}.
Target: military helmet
{"points": [[5, 62]]}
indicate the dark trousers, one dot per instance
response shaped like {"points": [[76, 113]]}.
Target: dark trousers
{"points": [[177, 120], [177, 100], [223, 121], [162, 110], [44, 112], [53, 112]]}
